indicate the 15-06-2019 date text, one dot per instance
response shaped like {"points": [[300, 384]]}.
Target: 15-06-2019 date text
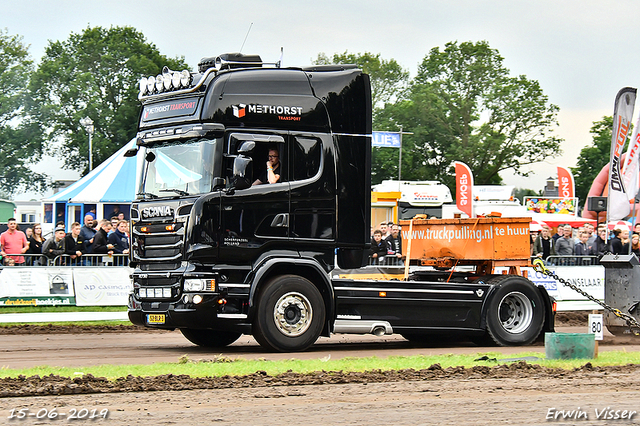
{"points": [[53, 413]]}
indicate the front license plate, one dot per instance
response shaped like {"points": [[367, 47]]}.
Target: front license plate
{"points": [[155, 318]]}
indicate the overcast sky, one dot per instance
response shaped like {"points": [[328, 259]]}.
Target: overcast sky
{"points": [[580, 51]]}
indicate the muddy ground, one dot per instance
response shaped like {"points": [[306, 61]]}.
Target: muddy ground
{"points": [[517, 393]]}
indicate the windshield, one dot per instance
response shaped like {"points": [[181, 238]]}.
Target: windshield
{"points": [[182, 168]]}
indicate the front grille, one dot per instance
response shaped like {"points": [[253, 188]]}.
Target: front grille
{"points": [[161, 240], [164, 266], [158, 242], [158, 280], [155, 253]]}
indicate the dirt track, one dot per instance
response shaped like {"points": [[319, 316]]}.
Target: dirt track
{"points": [[518, 394], [514, 394]]}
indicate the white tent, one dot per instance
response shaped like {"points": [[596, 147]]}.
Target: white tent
{"points": [[112, 183]]}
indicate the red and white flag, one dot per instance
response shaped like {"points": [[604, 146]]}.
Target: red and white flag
{"points": [[565, 183], [631, 166], [464, 188], [618, 201]]}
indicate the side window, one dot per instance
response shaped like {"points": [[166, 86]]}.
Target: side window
{"points": [[306, 157], [264, 148]]}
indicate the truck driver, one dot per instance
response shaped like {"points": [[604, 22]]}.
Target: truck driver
{"points": [[272, 172]]}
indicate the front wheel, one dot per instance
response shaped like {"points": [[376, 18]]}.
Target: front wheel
{"points": [[210, 338], [515, 314], [290, 314]]}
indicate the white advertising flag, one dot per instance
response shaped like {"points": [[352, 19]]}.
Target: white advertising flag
{"points": [[618, 202]]}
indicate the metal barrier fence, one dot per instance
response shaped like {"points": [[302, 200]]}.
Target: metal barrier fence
{"points": [[571, 260], [385, 261], [67, 260]]}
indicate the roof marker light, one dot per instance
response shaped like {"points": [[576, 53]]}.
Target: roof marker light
{"points": [[159, 83], [175, 79], [151, 84], [185, 78], [143, 85], [166, 78]]}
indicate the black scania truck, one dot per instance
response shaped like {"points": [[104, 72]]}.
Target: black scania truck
{"points": [[217, 255]]}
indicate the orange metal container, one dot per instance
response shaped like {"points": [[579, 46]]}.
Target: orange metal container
{"points": [[490, 241]]}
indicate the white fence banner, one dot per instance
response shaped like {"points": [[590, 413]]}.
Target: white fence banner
{"points": [[36, 286], [102, 286], [589, 279]]}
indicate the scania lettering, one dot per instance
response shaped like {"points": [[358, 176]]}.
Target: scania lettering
{"points": [[217, 256], [156, 211]]}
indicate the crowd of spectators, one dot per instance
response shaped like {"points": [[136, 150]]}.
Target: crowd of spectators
{"points": [[386, 245], [588, 241], [94, 237]]}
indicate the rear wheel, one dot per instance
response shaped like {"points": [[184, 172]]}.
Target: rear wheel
{"points": [[290, 314], [210, 338], [516, 312]]}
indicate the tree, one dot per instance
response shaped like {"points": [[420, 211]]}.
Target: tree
{"points": [[94, 74], [20, 140], [421, 152], [593, 158], [478, 114]]}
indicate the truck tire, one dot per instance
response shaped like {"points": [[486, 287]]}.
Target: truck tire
{"points": [[210, 338], [290, 314], [515, 314]]}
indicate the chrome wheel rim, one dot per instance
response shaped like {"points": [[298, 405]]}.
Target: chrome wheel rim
{"points": [[515, 312], [292, 314]]}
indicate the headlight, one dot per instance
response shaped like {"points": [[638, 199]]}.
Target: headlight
{"points": [[151, 84], [143, 85], [166, 292], [175, 79], [166, 78], [194, 284], [143, 293], [185, 78], [159, 83], [199, 284]]}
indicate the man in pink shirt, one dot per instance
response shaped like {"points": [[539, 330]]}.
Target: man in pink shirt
{"points": [[12, 242]]}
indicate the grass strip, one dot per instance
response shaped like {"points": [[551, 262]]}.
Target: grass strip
{"points": [[37, 309], [97, 323], [219, 366]]}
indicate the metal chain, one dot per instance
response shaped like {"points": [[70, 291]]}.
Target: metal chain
{"points": [[632, 323]]}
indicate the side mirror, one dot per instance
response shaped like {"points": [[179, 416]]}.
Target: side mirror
{"points": [[218, 183], [131, 152], [242, 172]]}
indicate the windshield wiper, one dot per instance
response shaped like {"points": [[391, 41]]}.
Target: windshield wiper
{"points": [[145, 194], [177, 191]]}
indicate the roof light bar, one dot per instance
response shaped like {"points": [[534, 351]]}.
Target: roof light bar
{"points": [[165, 82]]}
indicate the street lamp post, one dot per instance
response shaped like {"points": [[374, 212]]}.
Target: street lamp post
{"points": [[87, 123]]}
